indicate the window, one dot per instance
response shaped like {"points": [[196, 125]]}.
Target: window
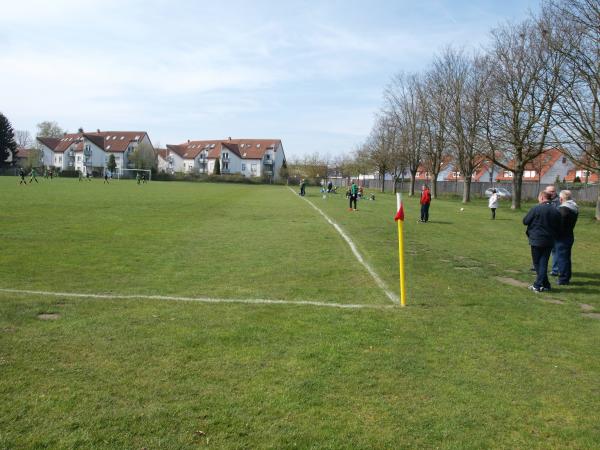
{"points": [[122, 137], [564, 160], [267, 156], [529, 174], [582, 173], [107, 138], [508, 174], [136, 138], [225, 155], [108, 147], [243, 167], [78, 158], [253, 168], [225, 165], [455, 174]]}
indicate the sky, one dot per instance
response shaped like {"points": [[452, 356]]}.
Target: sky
{"points": [[310, 73]]}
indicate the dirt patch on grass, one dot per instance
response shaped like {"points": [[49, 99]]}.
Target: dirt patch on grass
{"points": [[553, 301], [512, 282], [49, 316], [586, 308], [511, 271], [592, 315]]}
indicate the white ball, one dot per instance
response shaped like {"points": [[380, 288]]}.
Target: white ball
{"points": [[462, 209]]}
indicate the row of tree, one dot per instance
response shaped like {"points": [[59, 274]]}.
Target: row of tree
{"points": [[536, 85]]}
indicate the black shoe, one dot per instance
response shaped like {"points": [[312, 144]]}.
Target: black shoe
{"points": [[535, 289], [554, 274]]}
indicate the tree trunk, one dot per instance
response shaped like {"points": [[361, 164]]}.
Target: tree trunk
{"points": [[413, 180], [395, 184], [382, 175], [434, 184], [517, 183], [466, 190], [598, 203]]}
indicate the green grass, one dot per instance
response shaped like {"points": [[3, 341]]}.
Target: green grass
{"points": [[471, 363]]}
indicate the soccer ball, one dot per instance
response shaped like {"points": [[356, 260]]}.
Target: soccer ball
{"points": [[462, 209]]}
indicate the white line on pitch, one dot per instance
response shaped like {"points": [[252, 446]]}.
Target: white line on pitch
{"points": [[358, 256], [250, 301]]}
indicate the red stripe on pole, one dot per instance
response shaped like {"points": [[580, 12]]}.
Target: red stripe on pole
{"points": [[400, 214]]}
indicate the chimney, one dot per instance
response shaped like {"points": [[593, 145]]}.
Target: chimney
{"points": [[229, 137], [98, 130], [64, 134], [188, 141]]}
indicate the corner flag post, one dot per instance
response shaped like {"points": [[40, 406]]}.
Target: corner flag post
{"points": [[399, 218]]}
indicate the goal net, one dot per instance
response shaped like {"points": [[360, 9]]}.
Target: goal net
{"points": [[132, 173]]}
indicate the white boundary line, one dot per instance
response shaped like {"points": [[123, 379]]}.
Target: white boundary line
{"points": [[250, 301], [358, 256]]}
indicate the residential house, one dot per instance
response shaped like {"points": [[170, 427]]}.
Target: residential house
{"points": [[584, 175], [90, 151], [247, 157], [549, 166]]}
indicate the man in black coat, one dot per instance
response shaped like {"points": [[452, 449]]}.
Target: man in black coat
{"points": [[568, 212], [543, 227]]}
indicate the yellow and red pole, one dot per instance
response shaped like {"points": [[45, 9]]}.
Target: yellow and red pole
{"points": [[400, 221]]}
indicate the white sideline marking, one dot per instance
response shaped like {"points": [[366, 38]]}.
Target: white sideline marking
{"points": [[250, 301], [358, 256]]}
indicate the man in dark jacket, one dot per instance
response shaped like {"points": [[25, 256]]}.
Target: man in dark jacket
{"points": [[568, 212], [543, 226]]}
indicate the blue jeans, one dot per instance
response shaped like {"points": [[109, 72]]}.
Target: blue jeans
{"points": [[555, 258], [540, 256], [425, 212], [562, 250]]}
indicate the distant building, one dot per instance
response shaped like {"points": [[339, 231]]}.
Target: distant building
{"points": [[549, 166], [88, 152], [247, 157]]}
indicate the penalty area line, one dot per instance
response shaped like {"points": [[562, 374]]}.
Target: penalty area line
{"points": [[355, 251], [255, 301]]}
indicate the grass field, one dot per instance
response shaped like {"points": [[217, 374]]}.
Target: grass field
{"points": [[472, 362]]}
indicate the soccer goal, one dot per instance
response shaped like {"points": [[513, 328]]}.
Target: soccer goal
{"points": [[132, 173]]}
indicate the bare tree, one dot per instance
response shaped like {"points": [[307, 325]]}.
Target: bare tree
{"points": [[524, 74], [405, 107], [23, 139], [435, 103], [49, 129], [577, 118], [467, 82], [379, 146]]}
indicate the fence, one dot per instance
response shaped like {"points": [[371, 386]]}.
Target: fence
{"points": [[529, 191]]}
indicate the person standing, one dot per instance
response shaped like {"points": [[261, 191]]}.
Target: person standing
{"points": [[555, 200], [106, 177], [353, 196], [303, 187], [425, 202], [543, 226], [493, 203], [22, 175], [569, 212]]}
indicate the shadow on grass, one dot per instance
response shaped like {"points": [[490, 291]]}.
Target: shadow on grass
{"points": [[593, 276]]}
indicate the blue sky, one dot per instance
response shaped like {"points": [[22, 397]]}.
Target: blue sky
{"points": [[309, 72]]}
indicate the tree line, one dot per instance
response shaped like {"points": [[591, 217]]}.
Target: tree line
{"points": [[534, 86]]}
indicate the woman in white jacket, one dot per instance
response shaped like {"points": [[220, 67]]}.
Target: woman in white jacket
{"points": [[493, 203]]}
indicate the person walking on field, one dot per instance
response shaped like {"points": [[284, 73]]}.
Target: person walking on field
{"points": [[569, 212], [33, 176], [303, 187], [493, 203], [425, 202], [353, 196], [22, 175], [543, 226], [106, 177]]}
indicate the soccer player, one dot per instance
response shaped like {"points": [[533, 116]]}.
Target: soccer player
{"points": [[353, 196], [22, 175], [106, 177], [33, 176]]}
